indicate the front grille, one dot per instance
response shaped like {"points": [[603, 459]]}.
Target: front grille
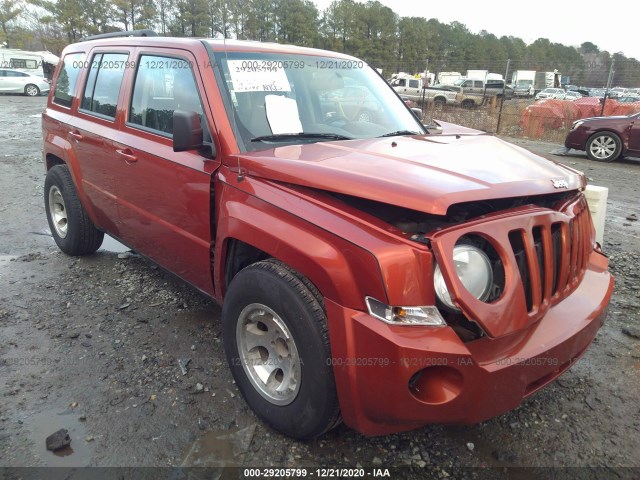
{"points": [[542, 255], [552, 257]]}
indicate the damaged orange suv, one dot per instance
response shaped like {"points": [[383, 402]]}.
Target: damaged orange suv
{"points": [[370, 269]]}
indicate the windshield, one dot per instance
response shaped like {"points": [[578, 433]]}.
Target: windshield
{"points": [[293, 99]]}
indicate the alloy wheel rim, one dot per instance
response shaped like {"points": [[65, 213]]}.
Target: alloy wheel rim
{"points": [[268, 354], [603, 147], [58, 212]]}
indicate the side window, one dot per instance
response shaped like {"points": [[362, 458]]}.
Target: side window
{"points": [[477, 83], [103, 83], [162, 85], [3, 73], [66, 82], [23, 63], [414, 84], [11, 73]]}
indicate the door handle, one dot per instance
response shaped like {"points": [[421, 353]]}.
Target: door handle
{"points": [[127, 154], [76, 135]]}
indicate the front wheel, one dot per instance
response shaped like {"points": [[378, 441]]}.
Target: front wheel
{"points": [[71, 227], [31, 90], [276, 341], [604, 147], [438, 104]]}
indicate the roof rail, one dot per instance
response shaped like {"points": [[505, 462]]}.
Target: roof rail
{"points": [[127, 33]]}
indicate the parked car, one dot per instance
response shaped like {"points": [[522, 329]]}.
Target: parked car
{"points": [[368, 270], [549, 93], [618, 92], [606, 139], [572, 95], [628, 99], [15, 81], [523, 89]]}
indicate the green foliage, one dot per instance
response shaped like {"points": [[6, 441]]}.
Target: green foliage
{"points": [[9, 11]]}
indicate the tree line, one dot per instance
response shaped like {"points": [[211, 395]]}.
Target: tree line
{"points": [[370, 31]]}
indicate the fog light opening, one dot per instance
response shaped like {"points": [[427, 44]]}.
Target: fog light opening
{"points": [[436, 385]]}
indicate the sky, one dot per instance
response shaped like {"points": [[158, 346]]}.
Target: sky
{"points": [[612, 27]]}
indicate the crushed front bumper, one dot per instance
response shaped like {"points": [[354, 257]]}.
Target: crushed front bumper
{"points": [[394, 378]]}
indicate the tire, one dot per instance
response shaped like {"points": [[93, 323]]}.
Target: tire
{"points": [[438, 104], [31, 90], [280, 313], [604, 147], [468, 104], [72, 230]]}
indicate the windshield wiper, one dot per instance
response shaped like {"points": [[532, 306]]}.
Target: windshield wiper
{"points": [[285, 137], [400, 132]]}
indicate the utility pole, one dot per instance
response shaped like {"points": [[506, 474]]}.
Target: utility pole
{"points": [[424, 86], [609, 80], [504, 87]]}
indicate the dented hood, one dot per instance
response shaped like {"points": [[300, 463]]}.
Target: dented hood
{"points": [[424, 173]]}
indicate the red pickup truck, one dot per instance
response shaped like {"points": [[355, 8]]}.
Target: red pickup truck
{"points": [[369, 269]]}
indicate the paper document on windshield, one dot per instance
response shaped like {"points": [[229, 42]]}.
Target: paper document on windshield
{"points": [[282, 114], [251, 76]]}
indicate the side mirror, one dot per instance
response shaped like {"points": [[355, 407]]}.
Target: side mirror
{"points": [[418, 113], [434, 128], [187, 131]]}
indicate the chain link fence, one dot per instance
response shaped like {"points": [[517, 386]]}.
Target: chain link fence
{"points": [[548, 119]]}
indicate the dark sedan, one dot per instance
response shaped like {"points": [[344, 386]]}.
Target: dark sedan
{"points": [[606, 138]]}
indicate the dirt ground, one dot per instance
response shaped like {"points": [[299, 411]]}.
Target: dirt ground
{"points": [[94, 345]]}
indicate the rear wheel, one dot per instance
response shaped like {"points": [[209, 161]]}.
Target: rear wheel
{"points": [[31, 90], [71, 228], [438, 103], [277, 344], [468, 104], [604, 147]]}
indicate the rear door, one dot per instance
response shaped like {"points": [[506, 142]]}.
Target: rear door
{"points": [[93, 128], [164, 198]]}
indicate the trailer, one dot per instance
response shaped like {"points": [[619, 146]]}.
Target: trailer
{"points": [[547, 80], [41, 64], [447, 78], [522, 82]]}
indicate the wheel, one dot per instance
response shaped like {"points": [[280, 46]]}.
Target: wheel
{"points": [[604, 147], [438, 103], [31, 90], [468, 104], [277, 344], [72, 230]]}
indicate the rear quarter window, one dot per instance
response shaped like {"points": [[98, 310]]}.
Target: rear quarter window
{"points": [[66, 81]]}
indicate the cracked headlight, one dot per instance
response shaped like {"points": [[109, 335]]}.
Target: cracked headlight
{"points": [[474, 271]]}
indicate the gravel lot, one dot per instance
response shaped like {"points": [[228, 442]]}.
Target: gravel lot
{"points": [[93, 345]]}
